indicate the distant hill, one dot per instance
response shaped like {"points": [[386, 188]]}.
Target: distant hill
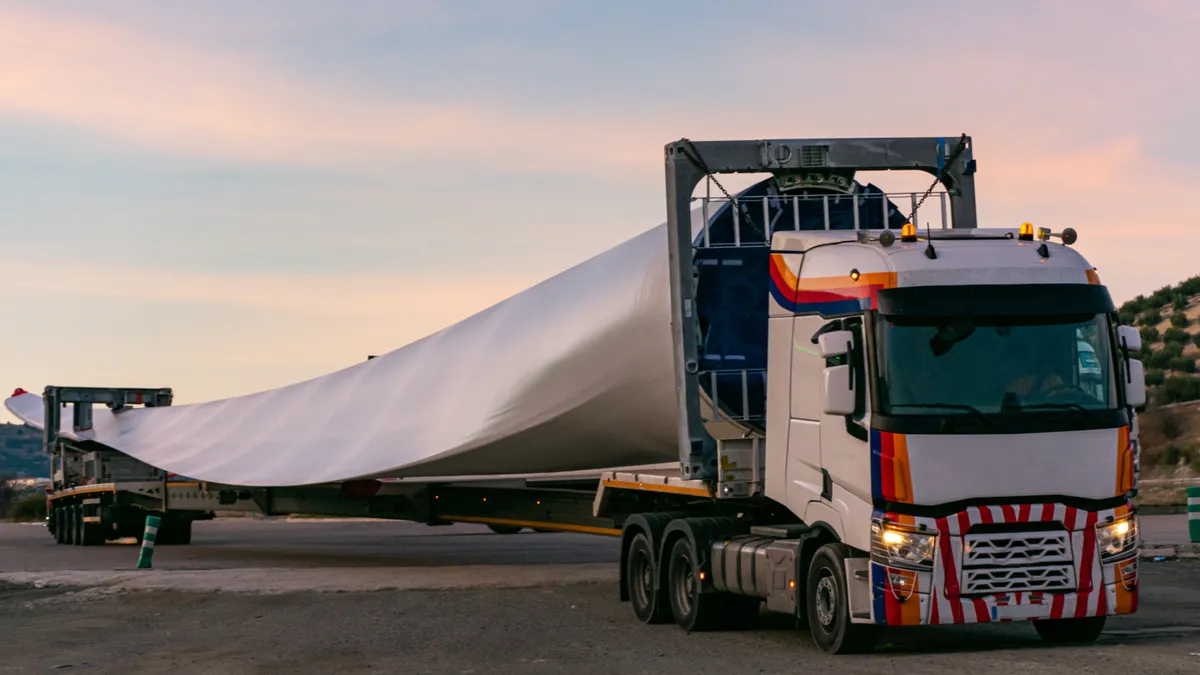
{"points": [[21, 452], [1169, 320]]}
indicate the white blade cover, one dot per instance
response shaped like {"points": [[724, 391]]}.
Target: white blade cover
{"points": [[574, 373]]}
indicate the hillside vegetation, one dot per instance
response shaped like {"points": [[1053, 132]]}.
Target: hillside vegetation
{"points": [[21, 453], [1169, 321]]}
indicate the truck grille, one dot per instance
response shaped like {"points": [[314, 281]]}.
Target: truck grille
{"points": [[1018, 579], [1017, 562], [1016, 548]]}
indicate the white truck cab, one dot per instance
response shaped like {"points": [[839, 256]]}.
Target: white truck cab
{"points": [[932, 410]]}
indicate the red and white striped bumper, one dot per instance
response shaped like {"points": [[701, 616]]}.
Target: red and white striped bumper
{"points": [[951, 593]]}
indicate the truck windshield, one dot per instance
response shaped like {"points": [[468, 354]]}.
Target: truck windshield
{"points": [[980, 364]]}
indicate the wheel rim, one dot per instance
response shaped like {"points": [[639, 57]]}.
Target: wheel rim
{"points": [[826, 601], [642, 578], [685, 583]]}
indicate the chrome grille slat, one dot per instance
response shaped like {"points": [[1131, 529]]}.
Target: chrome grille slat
{"points": [[1018, 579], [1017, 548]]}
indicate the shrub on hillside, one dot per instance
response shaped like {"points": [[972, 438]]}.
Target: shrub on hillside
{"points": [[1136, 305], [7, 494], [1170, 425], [1180, 388], [1151, 318], [1162, 296], [1179, 303], [28, 509], [1127, 317], [1170, 455], [1191, 286], [1179, 319], [1154, 377], [1178, 335], [1196, 339], [1162, 358], [1149, 334], [1183, 364]]}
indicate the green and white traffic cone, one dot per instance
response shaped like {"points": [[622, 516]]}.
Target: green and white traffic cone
{"points": [[1193, 496], [152, 523]]}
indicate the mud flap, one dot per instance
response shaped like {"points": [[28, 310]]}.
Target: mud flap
{"points": [[858, 588]]}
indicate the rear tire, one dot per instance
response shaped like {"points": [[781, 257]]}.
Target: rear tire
{"points": [[649, 605], [692, 609], [828, 605], [60, 525], [1075, 630], [76, 525]]}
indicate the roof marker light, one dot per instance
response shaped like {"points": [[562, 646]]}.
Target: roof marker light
{"points": [[854, 275], [1043, 234], [1026, 232], [908, 232], [18, 391], [1069, 236], [887, 238]]}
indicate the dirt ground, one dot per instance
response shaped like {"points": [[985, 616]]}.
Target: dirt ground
{"points": [[475, 603]]}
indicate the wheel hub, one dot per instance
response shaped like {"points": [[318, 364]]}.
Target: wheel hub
{"points": [[826, 601]]}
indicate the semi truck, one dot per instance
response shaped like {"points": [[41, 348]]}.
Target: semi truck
{"points": [[875, 423]]}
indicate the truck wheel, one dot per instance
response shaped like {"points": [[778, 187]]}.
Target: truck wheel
{"points": [[828, 605], [92, 534], [649, 605], [76, 512], [693, 610], [60, 525], [504, 529], [1081, 630]]}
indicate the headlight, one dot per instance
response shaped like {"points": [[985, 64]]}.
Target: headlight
{"points": [[902, 548], [1117, 538]]}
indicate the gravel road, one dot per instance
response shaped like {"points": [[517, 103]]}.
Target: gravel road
{"points": [[483, 623]]}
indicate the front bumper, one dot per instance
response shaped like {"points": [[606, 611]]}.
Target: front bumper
{"points": [[944, 594]]}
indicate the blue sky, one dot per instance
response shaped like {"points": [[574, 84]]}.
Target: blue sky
{"points": [[224, 197]]}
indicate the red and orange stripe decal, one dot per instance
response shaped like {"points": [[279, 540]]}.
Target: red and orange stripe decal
{"points": [[826, 295], [891, 477], [1124, 462]]}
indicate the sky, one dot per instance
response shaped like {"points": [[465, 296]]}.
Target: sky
{"points": [[226, 197]]}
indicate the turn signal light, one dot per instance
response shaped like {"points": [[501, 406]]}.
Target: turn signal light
{"points": [[908, 232]]}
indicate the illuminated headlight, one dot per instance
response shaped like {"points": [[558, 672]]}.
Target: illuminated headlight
{"points": [[897, 547], [1116, 539]]}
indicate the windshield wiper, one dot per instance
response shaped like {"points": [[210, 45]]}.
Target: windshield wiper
{"points": [[952, 406], [1060, 406]]}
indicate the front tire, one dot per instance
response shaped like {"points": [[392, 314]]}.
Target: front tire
{"points": [[1076, 630], [828, 605]]}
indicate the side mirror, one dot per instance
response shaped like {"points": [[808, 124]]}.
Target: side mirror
{"points": [[1135, 386], [839, 395], [836, 343], [1130, 338]]}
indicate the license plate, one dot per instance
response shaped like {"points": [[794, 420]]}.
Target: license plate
{"points": [[1019, 611]]}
